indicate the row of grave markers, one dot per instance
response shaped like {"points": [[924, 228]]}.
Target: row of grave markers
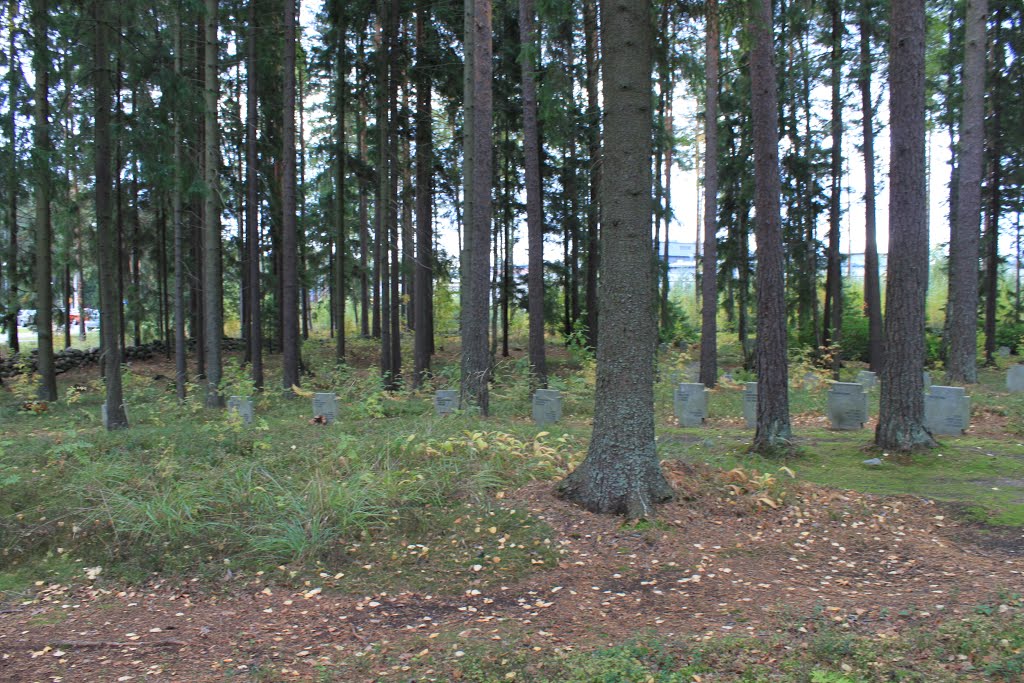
{"points": [[947, 409]]}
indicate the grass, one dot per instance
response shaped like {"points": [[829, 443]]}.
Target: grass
{"points": [[188, 490], [985, 647], [391, 497]]}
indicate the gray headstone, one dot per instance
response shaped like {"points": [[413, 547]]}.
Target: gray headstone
{"points": [[446, 401], [750, 404], [692, 372], [325, 406], [947, 410], [103, 414], [243, 406], [691, 404], [811, 381], [1003, 351], [873, 462], [1015, 379], [868, 379], [847, 405], [547, 406]]}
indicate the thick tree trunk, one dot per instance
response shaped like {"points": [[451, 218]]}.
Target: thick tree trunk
{"points": [[41, 161], [901, 406], [289, 249], [534, 201], [476, 359], [872, 283], [621, 473], [773, 427], [709, 281], [424, 265], [110, 325], [252, 209], [962, 309]]}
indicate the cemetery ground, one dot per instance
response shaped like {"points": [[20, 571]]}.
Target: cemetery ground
{"points": [[396, 545]]}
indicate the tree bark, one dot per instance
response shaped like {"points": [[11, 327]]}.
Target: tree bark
{"points": [[534, 199], [476, 359], [962, 309], [424, 264], [341, 171], [709, 281], [592, 59], [901, 406], [834, 277], [289, 249], [872, 283], [621, 473], [773, 427], [41, 158], [252, 209], [14, 185], [213, 286], [110, 323], [180, 369]]}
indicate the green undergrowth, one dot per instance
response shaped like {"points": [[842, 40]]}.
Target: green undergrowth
{"points": [[987, 646], [193, 492]]}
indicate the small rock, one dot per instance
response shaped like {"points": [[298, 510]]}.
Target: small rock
{"points": [[873, 462]]}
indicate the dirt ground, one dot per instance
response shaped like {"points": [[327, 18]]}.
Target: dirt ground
{"points": [[711, 566]]}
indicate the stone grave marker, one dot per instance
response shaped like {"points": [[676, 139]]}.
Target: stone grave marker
{"points": [[547, 406], [243, 406], [446, 401], [103, 414], [750, 404], [868, 379], [1003, 351], [1015, 379], [811, 381], [691, 372], [325, 406], [691, 404], [848, 405], [947, 410]]}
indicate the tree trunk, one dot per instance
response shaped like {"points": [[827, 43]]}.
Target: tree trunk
{"points": [[773, 428], [593, 75], [872, 283], [110, 325], [962, 309], [534, 200], [901, 406], [995, 151], [709, 281], [341, 171], [41, 158], [621, 473], [252, 209], [14, 186], [180, 369], [834, 278], [289, 251], [424, 265], [476, 359], [213, 316]]}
